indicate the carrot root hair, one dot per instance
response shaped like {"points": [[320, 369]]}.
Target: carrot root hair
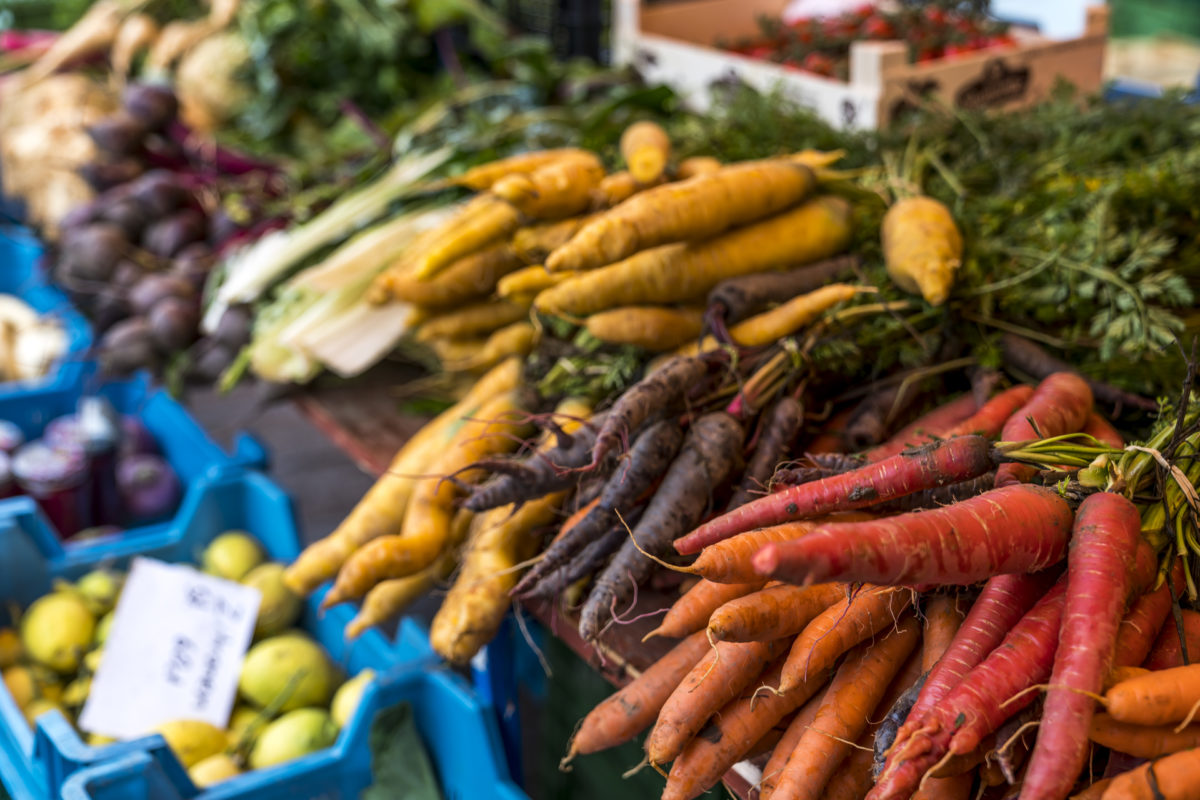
{"points": [[1190, 716], [1037, 687]]}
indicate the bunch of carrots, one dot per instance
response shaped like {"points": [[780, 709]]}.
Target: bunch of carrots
{"points": [[833, 638]]}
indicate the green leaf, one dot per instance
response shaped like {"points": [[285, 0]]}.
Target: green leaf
{"points": [[400, 766]]}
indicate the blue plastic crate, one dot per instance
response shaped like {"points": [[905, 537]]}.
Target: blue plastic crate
{"points": [[20, 275], [459, 735], [35, 763], [194, 456]]}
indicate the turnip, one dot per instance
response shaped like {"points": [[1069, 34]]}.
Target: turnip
{"points": [[118, 134], [127, 215], [168, 236], [127, 347], [159, 192], [153, 289], [153, 106], [102, 175], [92, 252], [174, 323], [235, 327], [148, 486]]}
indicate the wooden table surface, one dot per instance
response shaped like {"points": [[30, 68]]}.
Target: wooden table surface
{"points": [[362, 419]]}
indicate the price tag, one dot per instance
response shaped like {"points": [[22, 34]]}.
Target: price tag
{"points": [[174, 652]]}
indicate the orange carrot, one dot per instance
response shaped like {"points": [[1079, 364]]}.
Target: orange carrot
{"points": [[840, 627], [1095, 791], [732, 733], [632, 708], [942, 620], [852, 780], [1142, 741], [729, 560], [1118, 675], [772, 612], [1167, 651], [1060, 404], [787, 744], [1156, 697], [1144, 621], [852, 697], [719, 677], [830, 440], [1176, 777], [691, 611]]}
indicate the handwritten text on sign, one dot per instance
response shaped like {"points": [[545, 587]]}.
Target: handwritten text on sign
{"points": [[174, 652]]}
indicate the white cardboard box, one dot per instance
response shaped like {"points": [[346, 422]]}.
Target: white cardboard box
{"points": [[673, 43]]}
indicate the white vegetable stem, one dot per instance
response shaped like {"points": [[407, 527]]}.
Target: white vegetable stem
{"points": [[251, 272]]}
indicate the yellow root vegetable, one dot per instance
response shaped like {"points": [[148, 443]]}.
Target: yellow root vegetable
{"points": [[702, 207], [512, 340], [137, 33], [482, 177], [818, 229], [617, 188], [501, 539], [816, 159], [382, 509], [646, 149], [426, 529], [922, 247], [471, 277], [92, 34], [784, 320], [480, 223], [472, 320], [559, 189], [389, 598], [697, 165], [530, 281], [534, 242], [649, 327]]}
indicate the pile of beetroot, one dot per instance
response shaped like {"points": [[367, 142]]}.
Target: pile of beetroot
{"points": [[839, 639]]}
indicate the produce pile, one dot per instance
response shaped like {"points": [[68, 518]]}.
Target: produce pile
{"points": [[822, 45], [752, 400], [292, 698]]}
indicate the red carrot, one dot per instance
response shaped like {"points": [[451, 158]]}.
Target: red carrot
{"points": [[1145, 619], [990, 694], [829, 440], [1168, 652], [935, 425], [1001, 604], [1060, 404], [1022, 528], [1104, 544], [955, 460], [990, 418], [1103, 430]]}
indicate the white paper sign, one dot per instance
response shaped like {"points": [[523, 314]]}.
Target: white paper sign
{"points": [[174, 652]]}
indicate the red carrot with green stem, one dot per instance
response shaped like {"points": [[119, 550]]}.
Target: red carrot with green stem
{"points": [[1100, 578], [1059, 405], [1021, 528]]}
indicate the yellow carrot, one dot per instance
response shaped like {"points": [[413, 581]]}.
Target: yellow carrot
{"points": [[617, 188], [922, 247], [649, 327], [697, 165], [669, 274], [501, 539], [559, 189], [482, 222], [425, 531], [389, 598], [381, 510], [646, 149], [533, 243], [512, 340], [784, 320], [816, 159], [471, 320], [698, 208], [482, 177], [469, 278], [530, 281]]}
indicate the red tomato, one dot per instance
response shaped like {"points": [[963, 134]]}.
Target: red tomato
{"points": [[928, 54], [878, 28], [954, 49], [935, 15], [762, 51], [819, 63]]}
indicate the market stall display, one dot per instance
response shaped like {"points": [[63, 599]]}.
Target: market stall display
{"points": [[881, 442]]}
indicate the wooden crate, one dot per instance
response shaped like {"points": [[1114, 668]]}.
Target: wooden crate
{"points": [[673, 43]]}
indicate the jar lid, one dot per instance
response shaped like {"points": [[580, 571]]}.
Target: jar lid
{"points": [[42, 464], [11, 436]]}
